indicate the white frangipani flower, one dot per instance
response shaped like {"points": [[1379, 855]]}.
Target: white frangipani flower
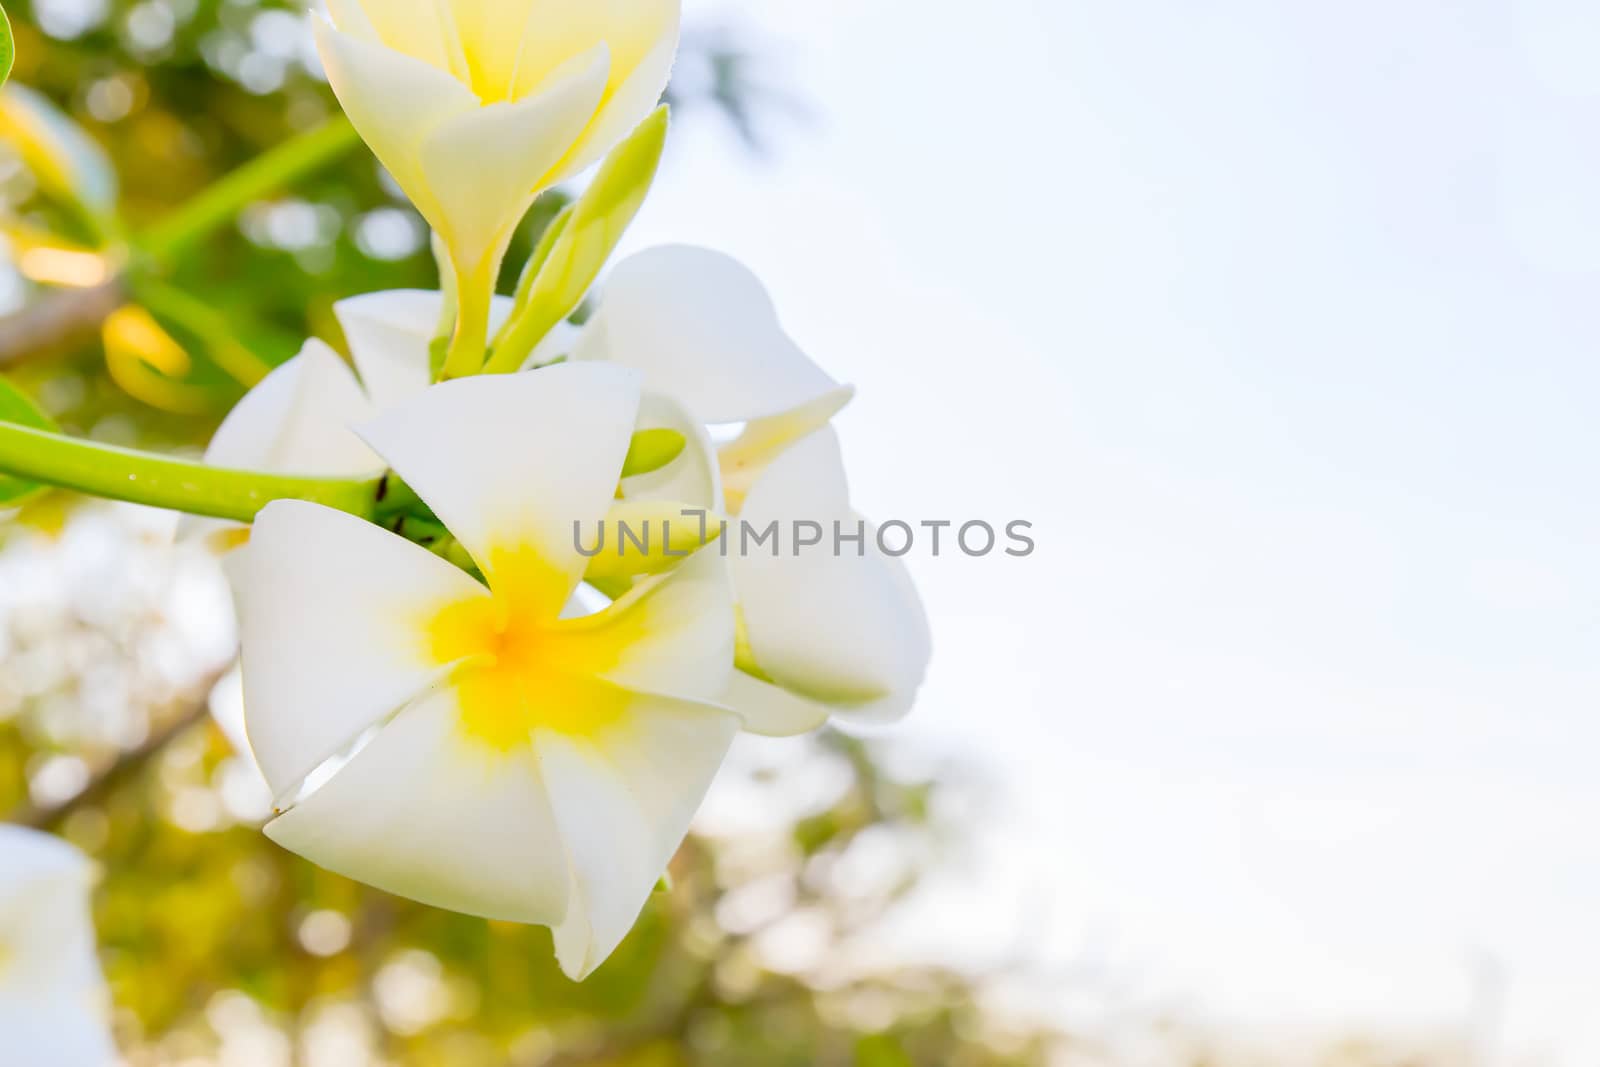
{"points": [[53, 1000], [826, 633], [462, 744], [475, 106]]}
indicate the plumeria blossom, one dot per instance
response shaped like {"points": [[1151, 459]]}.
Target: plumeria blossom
{"points": [[468, 744], [53, 1000], [824, 633], [475, 106]]}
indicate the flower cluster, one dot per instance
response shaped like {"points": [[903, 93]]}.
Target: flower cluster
{"points": [[463, 708]]}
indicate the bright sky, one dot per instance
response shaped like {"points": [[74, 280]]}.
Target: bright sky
{"points": [[1277, 321]]}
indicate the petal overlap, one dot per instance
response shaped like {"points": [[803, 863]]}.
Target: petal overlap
{"points": [[701, 328], [476, 747], [510, 465], [424, 813], [331, 610]]}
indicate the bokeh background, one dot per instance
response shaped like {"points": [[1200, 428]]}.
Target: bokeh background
{"points": [[1275, 321]]}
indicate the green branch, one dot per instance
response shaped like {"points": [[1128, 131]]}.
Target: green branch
{"points": [[177, 484], [221, 202], [109, 778], [208, 324]]}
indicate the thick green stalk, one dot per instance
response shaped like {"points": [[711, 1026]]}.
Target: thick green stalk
{"points": [[474, 297], [273, 170], [165, 482]]}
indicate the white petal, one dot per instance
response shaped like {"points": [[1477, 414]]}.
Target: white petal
{"points": [[702, 329], [671, 635], [45, 929], [511, 462], [394, 101], [248, 794], [745, 459], [560, 342], [418, 28], [298, 419], [695, 476], [484, 166], [389, 333], [770, 710], [623, 804], [332, 621], [348, 16], [910, 644], [29, 858], [556, 30], [627, 103], [842, 629], [423, 813], [61, 1031]]}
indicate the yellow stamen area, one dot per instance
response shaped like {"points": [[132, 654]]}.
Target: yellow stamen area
{"points": [[227, 539], [524, 668]]}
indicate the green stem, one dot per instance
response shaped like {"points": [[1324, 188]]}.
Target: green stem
{"points": [[521, 336], [268, 172], [177, 484], [206, 323], [474, 296]]}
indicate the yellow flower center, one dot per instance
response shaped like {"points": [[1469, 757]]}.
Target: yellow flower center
{"points": [[496, 51], [524, 668]]}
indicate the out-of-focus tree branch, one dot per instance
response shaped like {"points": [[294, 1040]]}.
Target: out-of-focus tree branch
{"points": [[58, 321], [122, 768], [67, 317]]}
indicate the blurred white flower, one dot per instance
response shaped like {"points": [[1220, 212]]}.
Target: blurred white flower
{"points": [[465, 745], [53, 1000]]}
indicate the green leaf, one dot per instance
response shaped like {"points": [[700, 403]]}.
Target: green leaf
{"points": [[650, 450], [68, 164], [881, 1050], [540, 256], [583, 243], [17, 407], [8, 47]]}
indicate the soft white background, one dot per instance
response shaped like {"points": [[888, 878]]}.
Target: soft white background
{"points": [[1280, 321]]}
